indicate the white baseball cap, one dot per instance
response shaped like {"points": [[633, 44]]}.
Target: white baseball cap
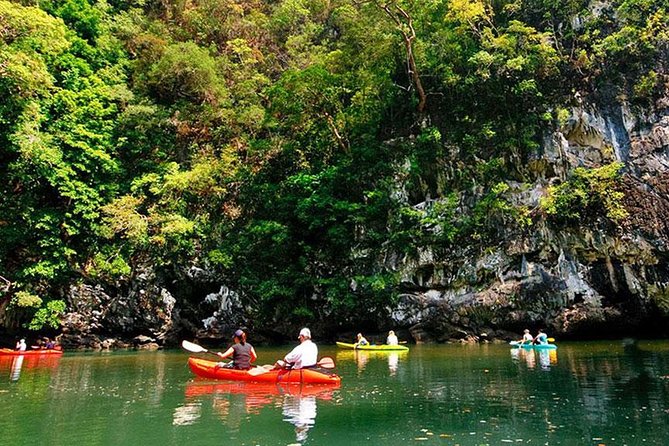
{"points": [[305, 332]]}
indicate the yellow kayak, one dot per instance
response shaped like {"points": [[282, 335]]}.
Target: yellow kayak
{"points": [[376, 348]]}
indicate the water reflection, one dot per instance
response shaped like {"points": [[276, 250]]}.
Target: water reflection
{"points": [[187, 414], [233, 401], [547, 358], [17, 364], [300, 411], [524, 355], [393, 362], [363, 357], [15, 373]]}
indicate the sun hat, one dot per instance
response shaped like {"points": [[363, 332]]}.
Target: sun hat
{"points": [[239, 333]]}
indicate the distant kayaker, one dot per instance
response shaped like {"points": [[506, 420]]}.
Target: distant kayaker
{"points": [[360, 340], [21, 345], [242, 353], [527, 337], [303, 356], [392, 339], [541, 338], [49, 344]]}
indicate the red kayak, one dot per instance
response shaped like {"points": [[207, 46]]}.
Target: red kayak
{"points": [[211, 370], [10, 352]]}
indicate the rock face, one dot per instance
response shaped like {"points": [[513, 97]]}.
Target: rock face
{"points": [[100, 320], [145, 316], [95, 318], [594, 278]]}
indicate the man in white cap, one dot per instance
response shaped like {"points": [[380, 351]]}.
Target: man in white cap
{"points": [[303, 356]]}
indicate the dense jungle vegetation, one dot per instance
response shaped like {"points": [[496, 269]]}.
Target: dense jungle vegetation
{"points": [[282, 145]]}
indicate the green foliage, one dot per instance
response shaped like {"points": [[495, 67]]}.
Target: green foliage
{"points": [[187, 72], [277, 144], [632, 45], [43, 314], [48, 315], [57, 137], [108, 267], [122, 217], [24, 299], [220, 258], [438, 223], [83, 17], [589, 193], [647, 85]]}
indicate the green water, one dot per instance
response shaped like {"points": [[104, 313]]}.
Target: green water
{"points": [[583, 394]]}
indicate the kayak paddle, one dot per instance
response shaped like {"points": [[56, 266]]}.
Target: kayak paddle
{"points": [[325, 362], [259, 370], [194, 348]]}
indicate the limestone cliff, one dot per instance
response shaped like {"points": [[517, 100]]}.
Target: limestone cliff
{"points": [[592, 278]]}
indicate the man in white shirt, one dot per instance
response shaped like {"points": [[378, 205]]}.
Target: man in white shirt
{"points": [[303, 356]]}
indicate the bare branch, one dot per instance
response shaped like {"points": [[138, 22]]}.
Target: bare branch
{"points": [[343, 144], [6, 286], [404, 23]]}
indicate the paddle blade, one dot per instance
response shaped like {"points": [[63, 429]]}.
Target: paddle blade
{"points": [[193, 347], [513, 343], [326, 363], [255, 371], [551, 339]]}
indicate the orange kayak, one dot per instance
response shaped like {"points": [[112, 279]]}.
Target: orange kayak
{"points": [[211, 370], [10, 352]]}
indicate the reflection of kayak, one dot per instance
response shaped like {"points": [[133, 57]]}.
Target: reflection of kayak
{"points": [[535, 346], [195, 389], [10, 352], [256, 395], [375, 348], [344, 355], [31, 361], [210, 370]]}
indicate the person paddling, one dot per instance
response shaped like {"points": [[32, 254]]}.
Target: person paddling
{"points": [[360, 340], [303, 356], [541, 338], [527, 337], [242, 353]]}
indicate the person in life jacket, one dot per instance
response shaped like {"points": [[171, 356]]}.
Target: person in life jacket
{"points": [[242, 352]]}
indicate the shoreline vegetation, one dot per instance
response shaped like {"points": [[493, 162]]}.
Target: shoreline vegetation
{"points": [[175, 170]]}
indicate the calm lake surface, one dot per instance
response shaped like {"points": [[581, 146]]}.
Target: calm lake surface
{"points": [[604, 393]]}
